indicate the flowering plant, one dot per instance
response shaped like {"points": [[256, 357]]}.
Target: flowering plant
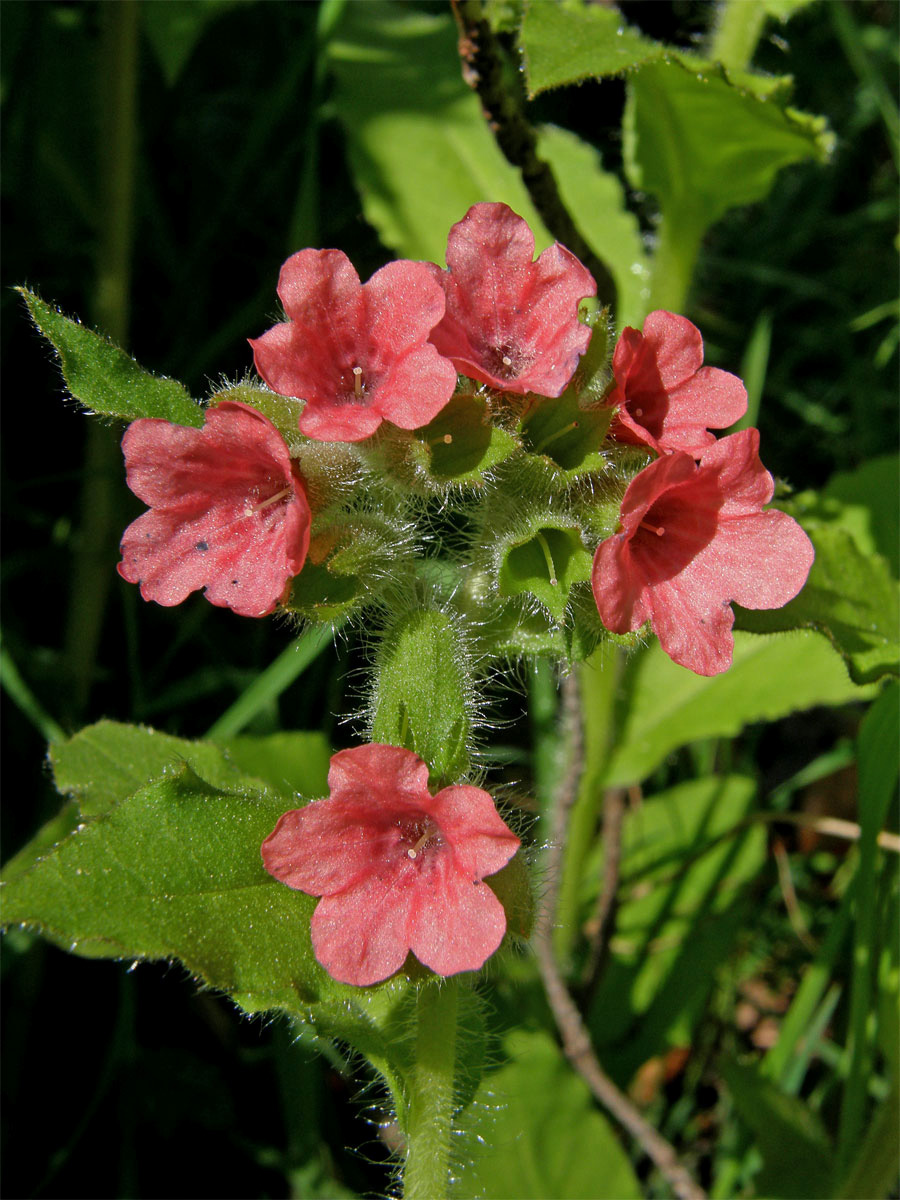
{"points": [[504, 461]]}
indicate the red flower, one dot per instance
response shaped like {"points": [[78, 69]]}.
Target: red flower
{"points": [[398, 868], [511, 322], [666, 398], [357, 354], [694, 538], [228, 511]]}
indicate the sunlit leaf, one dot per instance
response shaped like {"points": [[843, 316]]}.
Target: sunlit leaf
{"points": [[662, 706], [702, 144], [420, 149], [596, 199]]}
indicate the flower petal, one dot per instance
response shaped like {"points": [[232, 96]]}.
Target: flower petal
{"points": [[360, 935], [456, 923]]}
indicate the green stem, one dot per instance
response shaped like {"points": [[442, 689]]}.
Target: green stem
{"points": [[599, 678], [738, 27], [431, 1091], [267, 686], [678, 243], [100, 515]]}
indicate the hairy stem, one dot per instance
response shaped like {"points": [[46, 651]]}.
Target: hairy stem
{"points": [[430, 1112]]}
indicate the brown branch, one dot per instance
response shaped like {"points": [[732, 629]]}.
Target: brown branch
{"points": [[605, 912], [580, 1053], [482, 69], [576, 1042]]}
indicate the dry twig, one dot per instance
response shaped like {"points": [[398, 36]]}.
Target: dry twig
{"points": [[482, 69], [576, 1041]]}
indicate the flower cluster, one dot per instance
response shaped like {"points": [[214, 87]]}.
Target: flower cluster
{"points": [[228, 503], [585, 476]]}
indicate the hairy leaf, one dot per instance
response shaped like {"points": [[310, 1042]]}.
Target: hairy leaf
{"points": [[103, 378]]}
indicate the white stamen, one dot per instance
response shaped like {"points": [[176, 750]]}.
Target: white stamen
{"points": [[506, 360], [250, 509]]}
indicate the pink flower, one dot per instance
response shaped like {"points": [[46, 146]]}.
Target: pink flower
{"points": [[511, 322], [397, 868], [357, 354], [228, 511], [694, 538], [666, 398]]}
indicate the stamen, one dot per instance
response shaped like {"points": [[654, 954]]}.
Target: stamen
{"points": [[444, 440], [250, 509], [638, 412], [429, 833], [357, 381], [506, 360], [548, 558], [659, 530], [539, 448]]}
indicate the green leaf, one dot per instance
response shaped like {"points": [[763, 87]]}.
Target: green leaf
{"points": [[292, 761], [103, 378], [596, 198], [793, 1143], [568, 43], [104, 763], [851, 598], [540, 1110], [173, 871], [662, 706], [701, 144], [678, 914], [865, 502], [420, 150]]}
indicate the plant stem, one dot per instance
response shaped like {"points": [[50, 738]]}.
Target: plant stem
{"points": [[430, 1113], [599, 680], [270, 683], [738, 27], [99, 517], [678, 243]]}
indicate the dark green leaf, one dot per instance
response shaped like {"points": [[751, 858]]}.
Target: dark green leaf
{"points": [[174, 28], [793, 1143], [677, 916], [103, 378]]}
